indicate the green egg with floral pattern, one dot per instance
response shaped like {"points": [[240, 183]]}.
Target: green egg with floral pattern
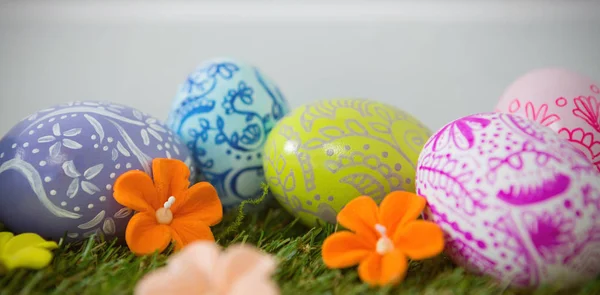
{"points": [[324, 154]]}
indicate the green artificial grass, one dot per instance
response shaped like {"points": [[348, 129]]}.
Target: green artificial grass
{"points": [[97, 267]]}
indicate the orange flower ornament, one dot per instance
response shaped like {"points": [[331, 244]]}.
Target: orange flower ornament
{"points": [[382, 239], [167, 209]]}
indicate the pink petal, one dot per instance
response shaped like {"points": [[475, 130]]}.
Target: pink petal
{"points": [[202, 255], [165, 281], [187, 272], [258, 285], [239, 262]]}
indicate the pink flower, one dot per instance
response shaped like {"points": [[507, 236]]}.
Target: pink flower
{"points": [[201, 268]]}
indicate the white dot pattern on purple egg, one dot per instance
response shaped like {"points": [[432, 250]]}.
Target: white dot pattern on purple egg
{"points": [[59, 165], [514, 200]]}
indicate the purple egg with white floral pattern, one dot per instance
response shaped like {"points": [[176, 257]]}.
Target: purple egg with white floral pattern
{"points": [[58, 166], [515, 200]]}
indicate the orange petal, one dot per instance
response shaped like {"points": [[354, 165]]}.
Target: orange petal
{"points": [[187, 229], [145, 236], [134, 189], [201, 201], [400, 207], [360, 216], [393, 268], [171, 178], [344, 249], [369, 269], [420, 239]]}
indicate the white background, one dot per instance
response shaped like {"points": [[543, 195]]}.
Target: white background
{"points": [[437, 60]]}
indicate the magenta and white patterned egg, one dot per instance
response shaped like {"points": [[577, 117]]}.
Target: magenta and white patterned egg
{"points": [[515, 201]]}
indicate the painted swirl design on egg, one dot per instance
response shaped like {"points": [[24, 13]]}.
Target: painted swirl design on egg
{"points": [[224, 112]]}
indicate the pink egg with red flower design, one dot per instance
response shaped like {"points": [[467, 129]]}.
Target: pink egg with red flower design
{"points": [[563, 100]]}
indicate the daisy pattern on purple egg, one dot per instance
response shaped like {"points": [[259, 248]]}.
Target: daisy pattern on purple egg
{"points": [[58, 167]]}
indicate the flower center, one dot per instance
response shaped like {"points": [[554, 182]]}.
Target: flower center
{"points": [[164, 214], [384, 244]]}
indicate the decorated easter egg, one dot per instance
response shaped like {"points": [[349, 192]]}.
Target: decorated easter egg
{"points": [[327, 153], [516, 201], [223, 112], [565, 101], [58, 166]]}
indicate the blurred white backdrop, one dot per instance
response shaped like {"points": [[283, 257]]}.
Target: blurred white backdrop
{"points": [[438, 60]]}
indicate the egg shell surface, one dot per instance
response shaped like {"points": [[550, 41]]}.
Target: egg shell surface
{"points": [[326, 153], [515, 201], [58, 167], [565, 101], [224, 112]]}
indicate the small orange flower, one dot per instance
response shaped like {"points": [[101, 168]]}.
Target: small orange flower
{"points": [[167, 209], [382, 238]]}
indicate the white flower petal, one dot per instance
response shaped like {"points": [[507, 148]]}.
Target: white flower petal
{"points": [[157, 128], [71, 144], [115, 155], [109, 227], [97, 126], [73, 188], [95, 221], [56, 129], [72, 132], [93, 171], [155, 135], [124, 212], [123, 150], [89, 187], [70, 170], [54, 150], [145, 137], [137, 115], [116, 106], [47, 138]]}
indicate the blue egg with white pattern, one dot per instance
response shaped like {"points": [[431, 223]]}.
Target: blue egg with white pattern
{"points": [[224, 111]]}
